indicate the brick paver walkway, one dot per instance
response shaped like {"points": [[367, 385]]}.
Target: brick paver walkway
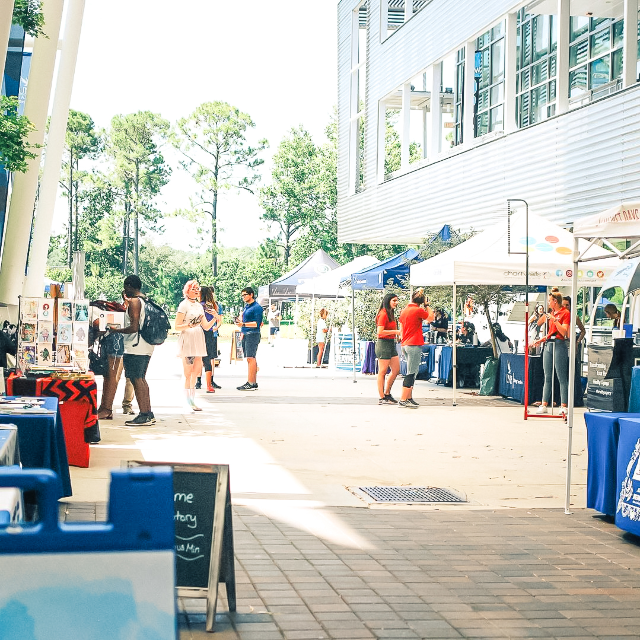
{"points": [[427, 574]]}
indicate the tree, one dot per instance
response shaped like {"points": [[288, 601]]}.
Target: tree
{"points": [[15, 150], [134, 143], [82, 141], [29, 15], [213, 143]]}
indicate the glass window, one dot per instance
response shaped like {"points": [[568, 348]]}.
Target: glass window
{"points": [[541, 40], [597, 22], [497, 61], [489, 87], [497, 31], [579, 26], [579, 53], [599, 72], [483, 124], [616, 63], [540, 72], [577, 81], [618, 32], [526, 44], [496, 118], [600, 42], [539, 103], [497, 94]]}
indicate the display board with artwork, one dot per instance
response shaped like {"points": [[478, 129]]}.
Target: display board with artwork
{"points": [[53, 333]]}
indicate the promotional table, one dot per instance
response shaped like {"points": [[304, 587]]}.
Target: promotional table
{"points": [[41, 442], [78, 408], [628, 476], [9, 451], [603, 433]]}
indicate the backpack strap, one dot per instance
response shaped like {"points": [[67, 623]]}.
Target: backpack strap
{"points": [[142, 298]]}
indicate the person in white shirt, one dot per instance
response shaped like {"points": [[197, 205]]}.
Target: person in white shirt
{"points": [[321, 334]]}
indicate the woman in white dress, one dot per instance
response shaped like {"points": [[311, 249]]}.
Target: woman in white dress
{"points": [[321, 335], [191, 323]]}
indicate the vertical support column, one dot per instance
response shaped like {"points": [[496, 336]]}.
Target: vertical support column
{"points": [[630, 43], [353, 103], [6, 14], [25, 185], [408, 9], [510, 69], [406, 125], [562, 80], [382, 139], [384, 19], [435, 116], [55, 146], [468, 125]]}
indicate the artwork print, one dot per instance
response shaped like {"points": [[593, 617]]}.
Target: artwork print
{"points": [[28, 332], [29, 308], [45, 331], [28, 354], [81, 356], [63, 354], [64, 311], [80, 332], [45, 354], [45, 309], [81, 312], [65, 333]]}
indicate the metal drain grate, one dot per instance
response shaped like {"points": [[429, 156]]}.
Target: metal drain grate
{"points": [[411, 494]]}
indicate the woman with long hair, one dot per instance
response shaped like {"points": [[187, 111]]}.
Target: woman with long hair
{"points": [[555, 354], [387, 333], [321, 335], [211, 310], [191, 323]]}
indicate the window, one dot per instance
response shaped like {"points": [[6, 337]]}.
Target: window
{"points": [[395, 13], [458, 110], [489, 63], [358, 96], [595, 53], [536, 67]]}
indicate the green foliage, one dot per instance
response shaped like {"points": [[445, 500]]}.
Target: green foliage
{"points": [[15, 150], [29, 15], [216, 154], [393, 145]]}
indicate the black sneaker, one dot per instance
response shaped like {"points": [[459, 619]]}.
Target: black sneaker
{"points": [[254, 386], [390, 399], [142, 420], [215, 386], [413, 402], [382, 401], [198, 384], [405, 404], [247, 386]]}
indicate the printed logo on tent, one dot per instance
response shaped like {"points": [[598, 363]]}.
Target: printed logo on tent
{"points": [[600, 274], [322, 268], [589, 274], [569, 273], [559, 272], [544, 245]]}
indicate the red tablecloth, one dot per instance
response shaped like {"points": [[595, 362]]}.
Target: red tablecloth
{"points": [[78, 407]]}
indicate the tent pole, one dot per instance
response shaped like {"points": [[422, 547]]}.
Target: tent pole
{"points": [[313, 311], [526, 315], [353, 331], [572, 371], [454, 359]]}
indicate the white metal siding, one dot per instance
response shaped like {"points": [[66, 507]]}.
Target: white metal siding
{"points": [[567, 167]]}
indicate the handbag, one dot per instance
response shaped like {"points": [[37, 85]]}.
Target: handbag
{"points": [[98, 359]]}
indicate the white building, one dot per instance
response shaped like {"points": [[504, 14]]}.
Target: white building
{"points": [[447, 108]]}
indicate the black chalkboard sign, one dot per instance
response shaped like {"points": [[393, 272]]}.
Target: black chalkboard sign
{"points": [[203, 532]]}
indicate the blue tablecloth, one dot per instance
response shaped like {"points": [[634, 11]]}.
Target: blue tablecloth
{"points": [[603, 432], [427, 361], [628, 476], [634, 393], [41, 442], [9, 453]]}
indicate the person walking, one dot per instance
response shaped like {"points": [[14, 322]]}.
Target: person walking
{"points": [[555, 355], [249, 322], [321, 335], [137, 351], [211, 310], [274, 317], [191, 323], [412, 341], [387, 332]]}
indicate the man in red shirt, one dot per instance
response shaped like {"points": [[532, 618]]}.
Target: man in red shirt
{"points": [[412, 340]]}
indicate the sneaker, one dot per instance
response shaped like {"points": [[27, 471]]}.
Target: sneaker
{"points": [[254, 386], [142, 420], [382, 400], [407, 405], [542, 409], [563, 412], [211, 390], [214, 385], [198, 383], [390, 399], [247, 386], [413, 402], [128, 411]]}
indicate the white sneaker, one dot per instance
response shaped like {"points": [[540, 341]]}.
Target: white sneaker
{"points": [[563, 412], [542, 409]]}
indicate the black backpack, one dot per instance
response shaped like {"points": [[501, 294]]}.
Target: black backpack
{"points": [[155, 328]]}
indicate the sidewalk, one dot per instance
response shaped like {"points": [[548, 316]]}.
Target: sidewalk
{"points": [[314, 561]]}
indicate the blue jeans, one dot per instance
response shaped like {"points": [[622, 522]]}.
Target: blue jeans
{"points": [[561, 367]]}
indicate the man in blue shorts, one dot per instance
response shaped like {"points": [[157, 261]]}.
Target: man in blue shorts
{"points": [[249, 322]]}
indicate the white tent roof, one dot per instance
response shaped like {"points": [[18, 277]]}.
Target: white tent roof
{"points": [[485, 258], [327, 285], [622, 221]]}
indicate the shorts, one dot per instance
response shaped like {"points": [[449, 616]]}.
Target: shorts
{"points": [[413, 355], [135, 366], [250, 343], [212, 350], [113, 344], [385, 348], [273, 330]]}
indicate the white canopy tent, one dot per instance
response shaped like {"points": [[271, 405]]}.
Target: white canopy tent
{"points": [[618, 223], [497, 256]]}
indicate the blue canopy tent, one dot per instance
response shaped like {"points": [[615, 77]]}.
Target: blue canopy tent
{"points": [[391, 271]]}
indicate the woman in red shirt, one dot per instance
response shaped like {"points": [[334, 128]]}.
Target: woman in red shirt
{"points": [[387, 332], [556, 348]]}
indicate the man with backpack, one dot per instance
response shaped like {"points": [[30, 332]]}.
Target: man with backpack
{"points": [[137, 351]]}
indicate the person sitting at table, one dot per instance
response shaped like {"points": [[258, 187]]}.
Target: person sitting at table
{"points": [[467, 332], [441, 325], [612, 313], [503, 344], [555, 355]]}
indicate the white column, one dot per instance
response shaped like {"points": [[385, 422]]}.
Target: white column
{"points": [[408, 9], [435, 115], [562, 79], [630, 43], [6, 14], [469, 91], [510, 54], [406, 125], [55, 146], [25, 185], [382, 139], [384, 19]]}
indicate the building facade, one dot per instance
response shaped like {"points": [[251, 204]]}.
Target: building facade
{"points": [[446, 109]]}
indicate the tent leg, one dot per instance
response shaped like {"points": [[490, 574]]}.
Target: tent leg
{"points": [[572, 372], [454, 359], [353, 332], [313, 311]]}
